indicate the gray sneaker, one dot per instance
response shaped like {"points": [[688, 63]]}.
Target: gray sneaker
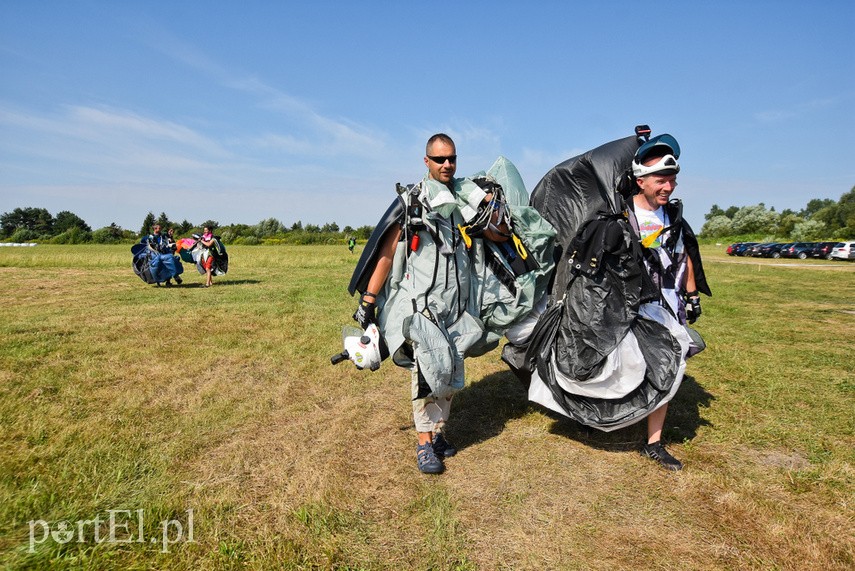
{"points": [[657, 452]]}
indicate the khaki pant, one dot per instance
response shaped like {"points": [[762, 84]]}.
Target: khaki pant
{"points": [[429, 414]]}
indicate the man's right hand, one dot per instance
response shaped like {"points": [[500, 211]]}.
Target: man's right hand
{"points": [[366, 312]]}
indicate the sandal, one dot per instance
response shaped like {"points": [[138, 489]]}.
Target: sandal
{"points": [[427, 459]]}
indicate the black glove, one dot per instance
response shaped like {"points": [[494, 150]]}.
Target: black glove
{"points": [[693, 306], [365, 313]]}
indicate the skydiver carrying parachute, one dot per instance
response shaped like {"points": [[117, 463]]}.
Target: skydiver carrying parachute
{"points": [[606, 344], [610, 341], [155, 258], [451, 265]]}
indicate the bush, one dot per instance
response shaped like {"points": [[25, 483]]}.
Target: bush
{"points": [[23, 235], [247, 241], [107, 235], [73, 235]]}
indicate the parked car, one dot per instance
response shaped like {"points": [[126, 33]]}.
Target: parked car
{"points": [[742, 248], [771, 250], [823, 250], [843, 251], [796, 250], [731, 250]]}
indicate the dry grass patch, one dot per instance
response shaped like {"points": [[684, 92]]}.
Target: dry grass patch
{"points": [[118, 395]]}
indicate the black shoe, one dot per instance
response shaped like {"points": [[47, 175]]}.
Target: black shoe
{"points": [[657, 452], [442, 447], [178, 280]]}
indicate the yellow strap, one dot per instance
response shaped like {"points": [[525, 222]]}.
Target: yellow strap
{"points": [[466, 239], [520, 248], [651, 238]]}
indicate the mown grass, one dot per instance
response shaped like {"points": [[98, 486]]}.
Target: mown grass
{"points": [[115, 395]]}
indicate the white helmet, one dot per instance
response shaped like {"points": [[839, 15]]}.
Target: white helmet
{"points": [[664, 146], [363, 347], [665, 165]]}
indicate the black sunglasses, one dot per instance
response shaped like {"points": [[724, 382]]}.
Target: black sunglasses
{"points": [[441, 160]]}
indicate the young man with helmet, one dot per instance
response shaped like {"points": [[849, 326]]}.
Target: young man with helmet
{"points": [[671, 256]]}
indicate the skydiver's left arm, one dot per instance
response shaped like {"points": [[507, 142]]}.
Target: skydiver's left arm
{"points": [[690, 277]]}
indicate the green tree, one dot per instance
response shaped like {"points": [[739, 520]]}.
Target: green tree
{"points": [[364, 232], [212, 224], [164, 222], [717, 227], [731, 212], [815, 205], [754, 220], [66, 220], [786, 224], [269, 227], [330, 227], [297, 226], [38, 221], [714, 211], [808, 230], [108, 234], [147, 225]]}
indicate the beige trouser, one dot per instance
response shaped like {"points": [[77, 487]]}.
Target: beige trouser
{"points": [[429, 413]]}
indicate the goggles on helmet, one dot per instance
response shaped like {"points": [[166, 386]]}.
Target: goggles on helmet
{"points": [[665, 165]]}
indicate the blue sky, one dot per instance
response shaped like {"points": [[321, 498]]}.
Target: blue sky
{"points": [[312, 111]]}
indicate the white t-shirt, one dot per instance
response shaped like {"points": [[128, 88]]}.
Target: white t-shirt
{"points": [[649, 223]]}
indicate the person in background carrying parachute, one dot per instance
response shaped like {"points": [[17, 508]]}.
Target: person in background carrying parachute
{"points": [[207, 252], [435, 289], [155, 260]]}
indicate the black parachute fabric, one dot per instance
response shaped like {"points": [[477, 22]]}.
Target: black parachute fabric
{"points": [[593, 319]]}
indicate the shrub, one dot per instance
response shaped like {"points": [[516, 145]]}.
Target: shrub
{"points": [[74, 235], [23, 235]]}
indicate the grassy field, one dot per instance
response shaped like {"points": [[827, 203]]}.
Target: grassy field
{"points": [[217, 410]]}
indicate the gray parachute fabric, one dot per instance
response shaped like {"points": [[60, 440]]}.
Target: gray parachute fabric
{"points": [[602, 351], [447, 296], [503, 295]]}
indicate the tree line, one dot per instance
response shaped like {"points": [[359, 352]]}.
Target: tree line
{"points": [[820, 219], [38, 224]]}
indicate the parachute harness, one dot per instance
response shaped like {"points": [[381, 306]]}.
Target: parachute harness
{"points": [[414, 221], [492, 216]]}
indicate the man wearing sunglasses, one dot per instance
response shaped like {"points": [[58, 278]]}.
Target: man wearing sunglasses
{"points": [[418, 294]]}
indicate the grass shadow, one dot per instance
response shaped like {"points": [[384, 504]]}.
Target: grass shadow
{"points": [[681, 423], [483, 408], [233, 282]]}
